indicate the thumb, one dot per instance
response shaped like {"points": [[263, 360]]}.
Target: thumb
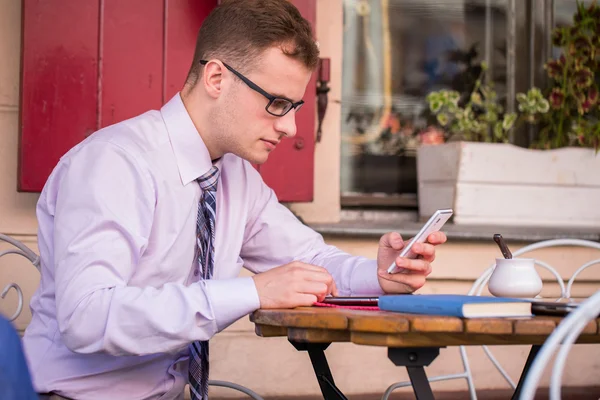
{"points": [[391, 240]]}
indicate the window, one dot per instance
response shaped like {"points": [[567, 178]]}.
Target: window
{"points": [[395, 52]]}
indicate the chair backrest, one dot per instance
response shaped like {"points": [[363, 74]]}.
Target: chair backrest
{"points": [[24, 251], [483, 279], [564, 336], [480, 284]]}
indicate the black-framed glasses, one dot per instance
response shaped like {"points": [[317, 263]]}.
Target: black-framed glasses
{"points": [[277, 106]]}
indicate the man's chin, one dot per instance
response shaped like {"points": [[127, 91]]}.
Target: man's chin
{"points": [[258, 159]]}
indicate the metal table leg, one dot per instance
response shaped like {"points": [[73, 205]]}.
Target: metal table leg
{"points": [[415, 359], [532, 354], [316, 352]]}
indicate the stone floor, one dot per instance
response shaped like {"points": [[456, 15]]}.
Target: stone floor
{"points": [[568, 393]]}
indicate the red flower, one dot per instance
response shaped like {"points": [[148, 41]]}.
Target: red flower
{"points": [[557, 98], [558, 37], [583, 77], [554, 68], [583, 103], [592, 95]]}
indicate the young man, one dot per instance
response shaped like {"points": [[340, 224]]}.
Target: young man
{"points": [[145, 226]]}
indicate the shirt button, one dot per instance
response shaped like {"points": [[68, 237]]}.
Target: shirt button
{"points": [[196, 271]]}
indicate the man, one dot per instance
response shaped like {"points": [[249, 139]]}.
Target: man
{"points": [[145, 225]]}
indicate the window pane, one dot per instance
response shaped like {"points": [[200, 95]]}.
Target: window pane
{"points": [[395, 52]]}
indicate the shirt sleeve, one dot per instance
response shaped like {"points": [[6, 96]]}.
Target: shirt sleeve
{"points": [[103, 217], [274, 237]]}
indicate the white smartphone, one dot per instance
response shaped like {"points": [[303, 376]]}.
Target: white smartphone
{"points": [[437, 220]]}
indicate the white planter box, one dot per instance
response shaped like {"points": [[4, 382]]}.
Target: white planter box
{"points": [[489, 183]]}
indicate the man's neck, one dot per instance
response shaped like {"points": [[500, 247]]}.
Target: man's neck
{"points": [[197, 113]]}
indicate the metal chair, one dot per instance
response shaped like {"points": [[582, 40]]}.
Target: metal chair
{"points": [[566, 333], [24, 251], [477, 289]]}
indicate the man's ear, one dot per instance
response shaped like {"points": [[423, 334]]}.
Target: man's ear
{"points": [[212, 79]]}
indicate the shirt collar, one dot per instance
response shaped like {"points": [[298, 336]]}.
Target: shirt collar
{"points": [[191, 154]]}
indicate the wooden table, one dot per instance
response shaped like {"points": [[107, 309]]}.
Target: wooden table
{"points": [[413, 341]]}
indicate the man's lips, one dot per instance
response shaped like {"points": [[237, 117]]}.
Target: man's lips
{"points": [[271, 143]]}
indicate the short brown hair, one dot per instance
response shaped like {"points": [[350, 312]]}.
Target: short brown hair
{"points": [[238, 31]]}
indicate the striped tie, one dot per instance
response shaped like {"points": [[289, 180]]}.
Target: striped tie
{"points": [[205, 238]]}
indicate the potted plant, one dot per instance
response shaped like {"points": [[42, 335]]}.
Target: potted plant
{"points": [[487, 180]]}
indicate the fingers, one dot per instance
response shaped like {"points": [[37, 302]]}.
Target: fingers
{"points": [[437, 238], [392, 240], [411, 281], [292, 285], [413, 266], [318, 289], [314, 274], [426, 251], [333, 288], [304, 299]]}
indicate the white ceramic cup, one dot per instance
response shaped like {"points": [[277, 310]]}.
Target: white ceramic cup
{"points": [[515, 277]]}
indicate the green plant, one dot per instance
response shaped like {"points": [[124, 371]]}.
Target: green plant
{"points": [[573, 118], [567, 113], [481, 118]]}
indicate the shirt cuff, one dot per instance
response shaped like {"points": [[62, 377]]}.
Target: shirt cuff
{"points": [[231, 299], [365, 281]]}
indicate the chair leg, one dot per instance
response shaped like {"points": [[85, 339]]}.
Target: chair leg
{"points": [[237, 387], [469, 376]]}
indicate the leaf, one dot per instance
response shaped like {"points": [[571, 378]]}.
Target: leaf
{"points": [[476, 99], [509, 121], [453, 97], [521, 97], [443, 119], [435, 106], [498, 132], [543, 106], [535, 94]]}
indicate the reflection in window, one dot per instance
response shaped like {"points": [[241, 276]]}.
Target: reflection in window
{"points": [[395, 52]]}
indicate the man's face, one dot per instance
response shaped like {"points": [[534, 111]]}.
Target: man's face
{"points": [[245, 128]]}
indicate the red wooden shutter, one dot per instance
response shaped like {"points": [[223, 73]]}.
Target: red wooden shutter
{"points": [[290, 168], [90, 63], [59, 83]]}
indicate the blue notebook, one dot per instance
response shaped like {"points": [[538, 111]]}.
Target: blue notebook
{"points": [[456, 305]]}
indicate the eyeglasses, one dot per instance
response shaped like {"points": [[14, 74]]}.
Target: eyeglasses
{"points": [[277, 106]]}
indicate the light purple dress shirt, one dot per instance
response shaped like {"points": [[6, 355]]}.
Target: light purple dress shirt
{"points": [[120, 297]]}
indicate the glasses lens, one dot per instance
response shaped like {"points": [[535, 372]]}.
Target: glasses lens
{"points": [[279, 106]]}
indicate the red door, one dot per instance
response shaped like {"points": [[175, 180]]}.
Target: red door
{"points": [[290, 169], [89, 64]]}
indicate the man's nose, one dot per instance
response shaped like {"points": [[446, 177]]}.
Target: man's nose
{"points": [[286, 125]]}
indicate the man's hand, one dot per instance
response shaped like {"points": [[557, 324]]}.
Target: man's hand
{"points": [[293, 285], [415, 270]]}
